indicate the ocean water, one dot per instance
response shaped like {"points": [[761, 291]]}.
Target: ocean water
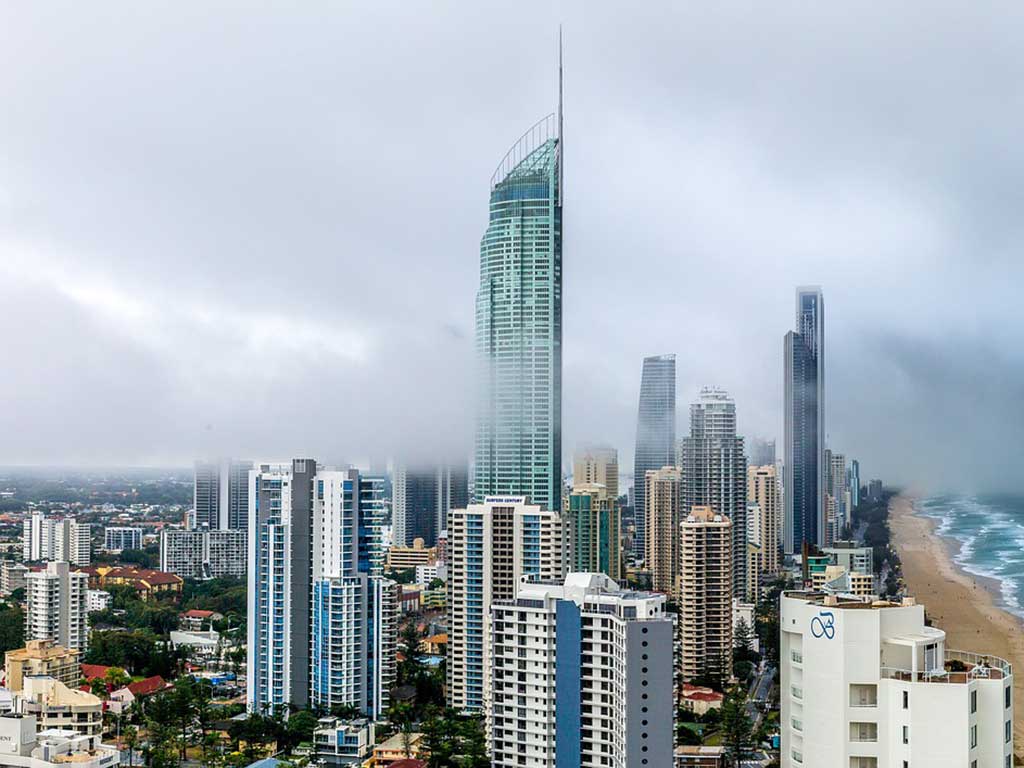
{"points": [[990, 534]]}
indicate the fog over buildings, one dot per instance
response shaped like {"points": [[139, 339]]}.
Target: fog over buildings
{"points": [[256, 232]]}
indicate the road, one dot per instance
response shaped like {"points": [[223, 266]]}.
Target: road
{"points": [[757, 695]]}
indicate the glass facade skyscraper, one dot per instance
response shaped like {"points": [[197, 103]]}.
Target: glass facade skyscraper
{"points": [[422, 497], [655, 434], [519, 325], [804, 388]]}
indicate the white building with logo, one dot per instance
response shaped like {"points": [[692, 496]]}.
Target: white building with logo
{"points": [[869, 685]]}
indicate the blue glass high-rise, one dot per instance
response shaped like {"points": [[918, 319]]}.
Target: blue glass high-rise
{"points": [[655, 435], [804, 388]]}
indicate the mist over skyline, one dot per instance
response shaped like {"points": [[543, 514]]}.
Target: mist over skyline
{"points": [[229, 231]]}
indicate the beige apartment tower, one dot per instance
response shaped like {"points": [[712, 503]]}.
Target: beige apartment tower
{"points": [[704, 594], [763, 490], [662, 488], [597, 465]]}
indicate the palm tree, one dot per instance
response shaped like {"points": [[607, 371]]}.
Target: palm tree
{"points": [[131, 741]]}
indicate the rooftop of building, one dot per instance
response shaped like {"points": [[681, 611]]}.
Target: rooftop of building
{"points": [[40, 649], [705, 515], [147, 686], [398, 742], [196, 613], [582, 587], [50, 692], [92, 671], [845, 602]]}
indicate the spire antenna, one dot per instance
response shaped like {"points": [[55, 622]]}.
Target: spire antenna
{"points": [[561, 144]]}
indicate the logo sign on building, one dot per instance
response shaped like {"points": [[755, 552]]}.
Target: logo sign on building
{"points": [[510, 500], [824, 625]]}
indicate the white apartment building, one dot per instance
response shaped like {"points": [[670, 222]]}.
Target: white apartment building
{"points": [[118, 538], [322, 623], [851, 556], [427, 573], [581, 676], [56, 705], [354, 618], [46, 539], [57, 606], [21, 746], [869, 685], [206, 553], [490, 548], [97, 600], [12, 576]]}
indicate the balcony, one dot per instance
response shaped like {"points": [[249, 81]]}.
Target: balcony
{"points": [[959, 668]]}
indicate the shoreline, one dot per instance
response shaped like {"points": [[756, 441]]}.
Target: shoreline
{"points": [[965, 606]]}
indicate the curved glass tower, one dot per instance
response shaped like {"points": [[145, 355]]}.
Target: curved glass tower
{"points": [[519, 325]]}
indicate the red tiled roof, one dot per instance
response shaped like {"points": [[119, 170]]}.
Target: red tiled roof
{"points": [[92, 671], [147, 686], [701, 696], [196, 613]]}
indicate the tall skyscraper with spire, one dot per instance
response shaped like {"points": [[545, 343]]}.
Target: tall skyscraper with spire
{"points": [[519, 323], [655, 435], [804, 449]]}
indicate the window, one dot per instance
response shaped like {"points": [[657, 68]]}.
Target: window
{"points": [[974, 702], [1007, 697], [1007, 731], [974, 740], [906, 699], [906, 734]]}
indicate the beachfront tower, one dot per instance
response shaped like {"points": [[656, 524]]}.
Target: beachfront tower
{"points": [[869, 685], [804, 450], [519, 324]]}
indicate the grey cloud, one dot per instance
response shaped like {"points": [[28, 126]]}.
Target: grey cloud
{"points": [[254, 229]]}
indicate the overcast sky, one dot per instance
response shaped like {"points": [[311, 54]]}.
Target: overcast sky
{"points": [[255, 231]]}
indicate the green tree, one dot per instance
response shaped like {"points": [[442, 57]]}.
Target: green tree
{"points": [[439, 738], [737, 730], [122, 596], [132, 651], [299, 728], [98, 687], [474, 744], [116, 678], [183, 698], [743, 640], [160, 750], [12, 628], [130, 737]]}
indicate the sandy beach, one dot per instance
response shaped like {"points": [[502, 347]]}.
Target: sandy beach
{"points": [[959, 603]]}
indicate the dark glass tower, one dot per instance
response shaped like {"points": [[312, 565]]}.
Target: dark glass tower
{"points": [[655, 434], [804, 388], [422, 498]]}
